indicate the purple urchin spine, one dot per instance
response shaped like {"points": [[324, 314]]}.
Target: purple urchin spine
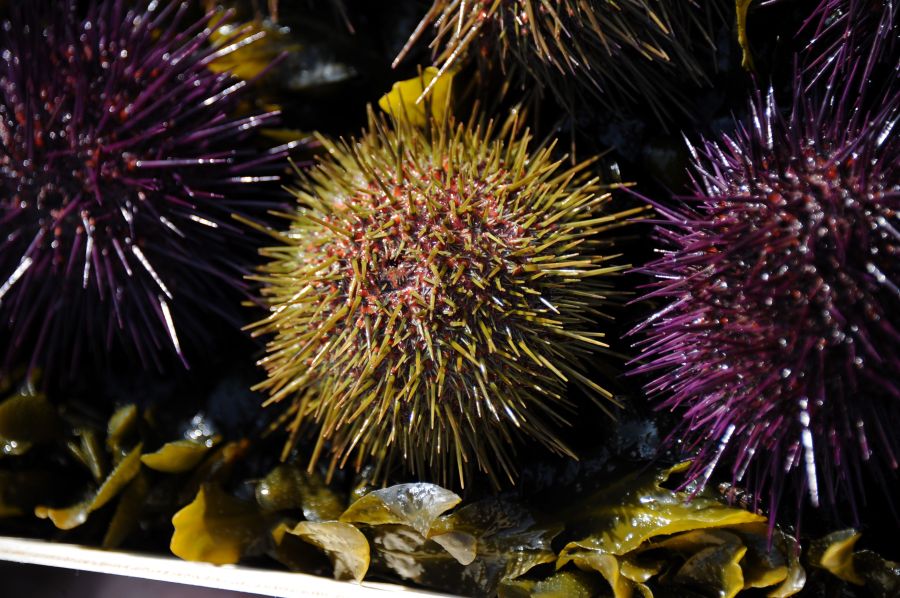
{"points": [[778, 333], [120, 168], [851, 39]]}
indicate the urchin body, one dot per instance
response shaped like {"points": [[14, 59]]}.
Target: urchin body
{"points": [[119, 170], [780, 336], [435, 295]]}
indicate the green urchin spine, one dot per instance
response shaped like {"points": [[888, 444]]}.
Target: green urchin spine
{"points": [[436, 292]]}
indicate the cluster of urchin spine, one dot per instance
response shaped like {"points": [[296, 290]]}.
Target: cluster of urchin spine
{"points": [[592, 48], [780, 286], [121, 165], [780, 329], [850, 39], [435, 294]]}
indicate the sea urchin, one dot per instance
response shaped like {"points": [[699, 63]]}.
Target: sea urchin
{"points": [[120, 166], [780, 336], [598, 47], [437, 289]]}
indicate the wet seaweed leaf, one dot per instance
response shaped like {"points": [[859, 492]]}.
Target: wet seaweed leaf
{"points": [[460, 545], [631, 532], [835, 553], [13, 448], [771, 562], [216, 528], [509, 541], [115, 483], [631, 528], [415, 505], [564, 584], [405, 99], [297, 554], [636, 509], [346, 546], [27, 418], [472, 550], [742, 7], [290, 487], [180, 456], [128, 511], [122, 429], [716, 567], [259, 43], [216, 467], [88, 450], [613, 571], [405, 552], [882, 576]]}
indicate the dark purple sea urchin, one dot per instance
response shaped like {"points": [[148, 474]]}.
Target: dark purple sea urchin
{"points": [[779, 336], [435, 294], [120, 167]]}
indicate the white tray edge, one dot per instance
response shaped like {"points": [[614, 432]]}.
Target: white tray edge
{"points": [[230, 577]]}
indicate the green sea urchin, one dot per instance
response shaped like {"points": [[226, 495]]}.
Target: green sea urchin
{"points": [[435, 293], [571, 47]]}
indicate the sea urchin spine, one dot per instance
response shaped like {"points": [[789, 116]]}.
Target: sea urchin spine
{"points": [[120, 167], [435, 293], [854, 39], [779, 339]]}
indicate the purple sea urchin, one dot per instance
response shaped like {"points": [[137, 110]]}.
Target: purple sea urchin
{"points": [[120, 167], [780, 333], [599, 47], [435, 293]]}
